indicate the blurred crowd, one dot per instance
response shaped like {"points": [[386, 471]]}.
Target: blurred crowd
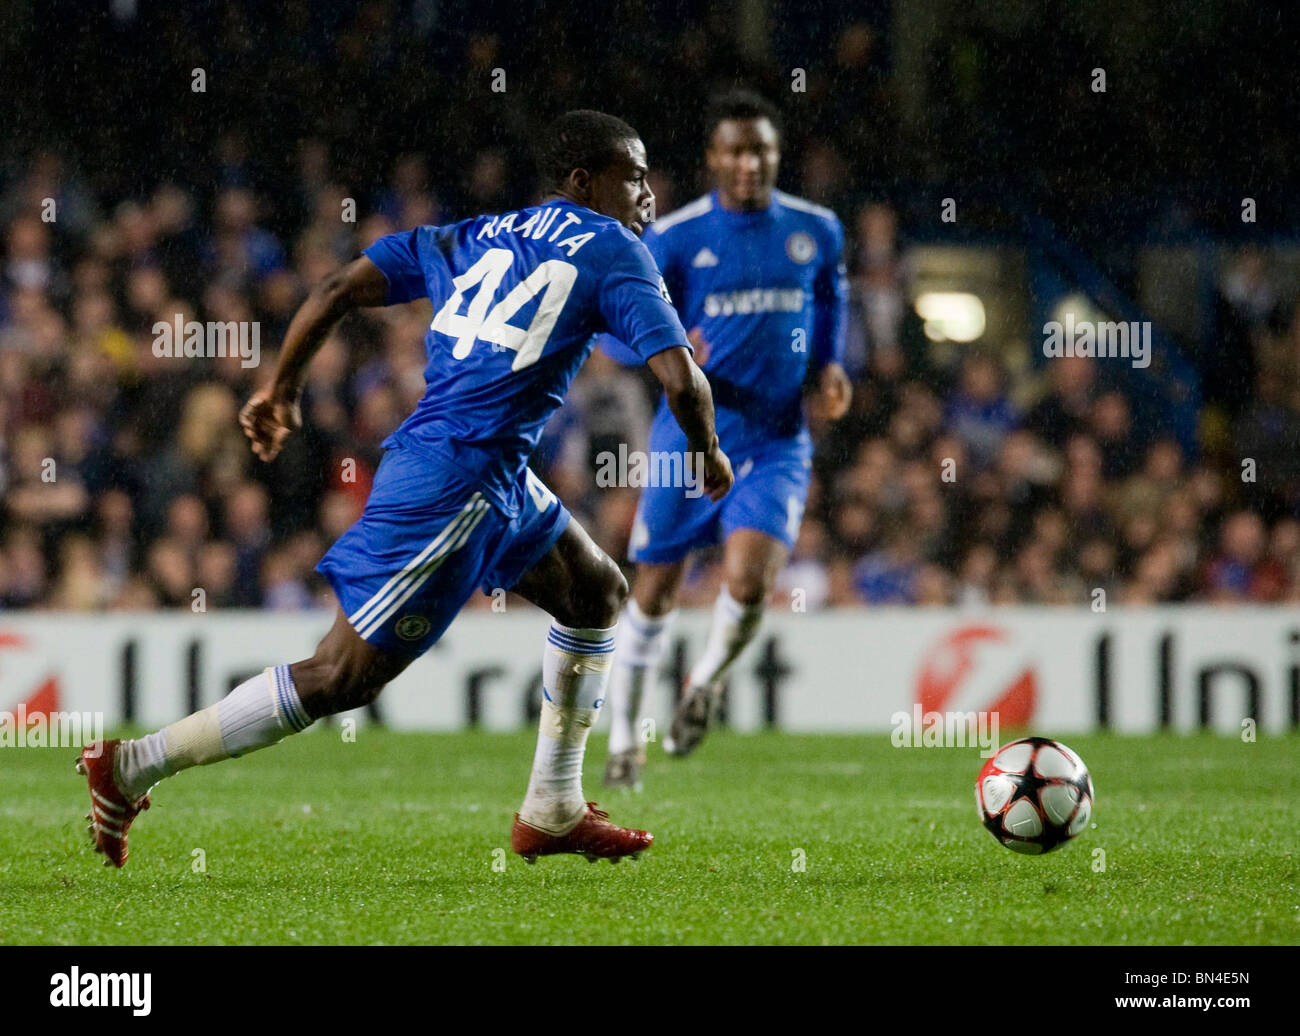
{"points": [[125, 481], [969, 487]]}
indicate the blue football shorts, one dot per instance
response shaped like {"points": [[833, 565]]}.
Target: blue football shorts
{"points": [[425, 542], [769, 493]]}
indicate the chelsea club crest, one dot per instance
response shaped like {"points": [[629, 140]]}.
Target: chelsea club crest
{"points": [[801, 247], [411, 627]]}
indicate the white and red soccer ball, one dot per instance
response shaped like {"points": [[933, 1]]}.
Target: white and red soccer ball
{"points": [[1034, 795]]}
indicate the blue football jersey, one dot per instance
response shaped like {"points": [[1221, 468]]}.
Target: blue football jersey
{"points": [[517, 300], [767, 291]]}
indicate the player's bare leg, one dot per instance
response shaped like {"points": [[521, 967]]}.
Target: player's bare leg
{"points": [[639, 648], [583, 590], [751, 562], [345, 672]]}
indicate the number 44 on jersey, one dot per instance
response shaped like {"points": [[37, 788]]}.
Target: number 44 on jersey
{"points": [[555, 277]]}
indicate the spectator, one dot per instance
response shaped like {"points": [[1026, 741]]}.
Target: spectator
{"points": [[979, 412], [1066, 408], [1231, 574]]}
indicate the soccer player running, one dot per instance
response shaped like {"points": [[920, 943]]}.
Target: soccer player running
{"points": [[454, 507], [757, 275]]}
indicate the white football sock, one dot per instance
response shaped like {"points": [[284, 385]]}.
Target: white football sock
{"points": [[259, 712], [575, 674], [638, 649], [734, 626]]}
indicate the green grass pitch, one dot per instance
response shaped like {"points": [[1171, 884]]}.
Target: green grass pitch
{"points": [[393, 839]]}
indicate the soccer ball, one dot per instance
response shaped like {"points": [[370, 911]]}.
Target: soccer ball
{"points": [[1034, 795]]}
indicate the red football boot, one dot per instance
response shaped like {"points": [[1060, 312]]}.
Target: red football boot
{"points": [[111, 812], [594, 837]]}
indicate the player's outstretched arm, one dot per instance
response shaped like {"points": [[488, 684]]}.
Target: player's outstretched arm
{"points": [[272, 414], [691, 401]]}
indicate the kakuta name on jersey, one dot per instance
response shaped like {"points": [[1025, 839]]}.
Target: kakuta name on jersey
{"points": [[536, 227]]}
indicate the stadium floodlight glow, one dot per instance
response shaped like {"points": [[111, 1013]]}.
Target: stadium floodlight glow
{"points": [[951, 316]]}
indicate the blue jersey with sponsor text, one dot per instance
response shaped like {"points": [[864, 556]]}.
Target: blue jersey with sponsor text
{"points": [[767, 291], [517, 299]]}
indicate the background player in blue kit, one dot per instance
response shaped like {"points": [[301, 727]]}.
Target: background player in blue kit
{"points": [[757, 276], [517, 300]]}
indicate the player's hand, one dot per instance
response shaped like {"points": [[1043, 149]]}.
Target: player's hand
{"points": [[718, 478], [836, 391], [700, 344], [268, 419]]}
